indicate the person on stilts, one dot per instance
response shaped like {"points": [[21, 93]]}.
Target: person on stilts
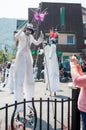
{"points": [[23, 69], [51, 64]]}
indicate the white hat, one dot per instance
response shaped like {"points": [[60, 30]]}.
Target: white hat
{"points": [[29, 26]]}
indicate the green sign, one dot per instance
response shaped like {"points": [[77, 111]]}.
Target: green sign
{"points": [[62, 15], [59, 53], [65, 58], [34, 52]]}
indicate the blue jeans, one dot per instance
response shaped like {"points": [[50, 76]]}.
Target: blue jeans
{"points": [[83, 115]]}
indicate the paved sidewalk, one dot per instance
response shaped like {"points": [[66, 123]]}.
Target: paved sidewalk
{"points": [[40, 92]]}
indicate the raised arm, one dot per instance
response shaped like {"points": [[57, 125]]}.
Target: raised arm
{"points": [[19, 32], [78, 80]]}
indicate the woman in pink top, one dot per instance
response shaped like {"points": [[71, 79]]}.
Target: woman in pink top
{"points": [[80, 82]]}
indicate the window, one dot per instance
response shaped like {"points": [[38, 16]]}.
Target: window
{"points": [[66, 39], [70, 40], [85, 41]]}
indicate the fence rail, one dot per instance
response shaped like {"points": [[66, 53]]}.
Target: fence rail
{"points": [[48, 114]]}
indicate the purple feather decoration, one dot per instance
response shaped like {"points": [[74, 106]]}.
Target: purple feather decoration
{"points": [[40, 16]]}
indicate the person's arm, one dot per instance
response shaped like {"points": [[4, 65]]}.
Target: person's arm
{"points": [[79, 81], [39, 41], [73, 70], [18, 33]]}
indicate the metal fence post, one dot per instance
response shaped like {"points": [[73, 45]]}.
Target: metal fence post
{"points": [[75, 111]]}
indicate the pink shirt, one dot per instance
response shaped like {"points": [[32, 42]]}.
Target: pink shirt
{"points": [[80, 81]]}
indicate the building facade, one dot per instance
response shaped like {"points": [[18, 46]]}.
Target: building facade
{"points": [[68, 21], [84, 28]]}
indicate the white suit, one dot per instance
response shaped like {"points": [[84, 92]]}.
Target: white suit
{"points": [[54, 69], [46, 65], [23, 70], [51, 67]]}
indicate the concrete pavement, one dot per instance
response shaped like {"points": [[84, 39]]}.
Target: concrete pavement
{"points": [[40, 92]]}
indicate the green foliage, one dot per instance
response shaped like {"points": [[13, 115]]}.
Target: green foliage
{"points": [[5, 57], [9, 57], [1, 56]]}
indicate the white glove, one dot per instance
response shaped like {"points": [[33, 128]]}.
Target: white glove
{"points": [[41, 37]]}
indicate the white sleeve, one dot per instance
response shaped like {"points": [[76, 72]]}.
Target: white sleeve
{"points": [[36, 42], [18, 34]]}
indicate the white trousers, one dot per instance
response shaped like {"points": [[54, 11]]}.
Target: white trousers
{"points": [[51, 68], [54, 70], [24, 79]]}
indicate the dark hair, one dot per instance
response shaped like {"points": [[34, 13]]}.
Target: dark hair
{"points": [[8, 65], [32, 31], [15, 32]]}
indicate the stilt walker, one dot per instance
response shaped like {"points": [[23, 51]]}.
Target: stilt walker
{"points": [[54, 67], [23, 69], [51, 64], [46, 48]]}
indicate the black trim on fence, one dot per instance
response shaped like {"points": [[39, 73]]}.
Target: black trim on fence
{"points": [[12, 118], [75, 111], [55, 113]]}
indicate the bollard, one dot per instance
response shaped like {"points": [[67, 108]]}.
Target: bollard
{"points": [[75, 111]]}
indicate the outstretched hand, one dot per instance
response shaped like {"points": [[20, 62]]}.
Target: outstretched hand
{"points": [[41, 37], [73, 61]]}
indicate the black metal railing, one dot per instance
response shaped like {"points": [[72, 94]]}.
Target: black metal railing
{"points": [[49, 114]]}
